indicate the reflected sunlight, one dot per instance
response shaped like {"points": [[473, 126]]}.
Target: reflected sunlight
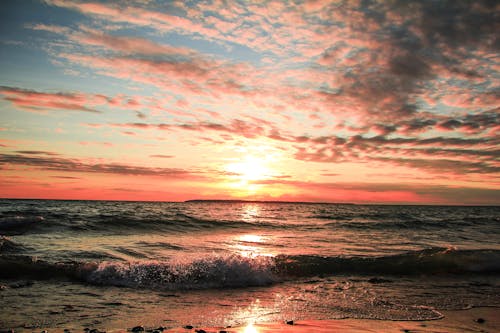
{"points": [[251, 238], [250, 213], [248, 246]]}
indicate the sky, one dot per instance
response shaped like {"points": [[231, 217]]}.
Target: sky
{"points": [[328, 101]]}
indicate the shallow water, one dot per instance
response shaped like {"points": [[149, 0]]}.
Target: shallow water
{"points": [[81, 263]]}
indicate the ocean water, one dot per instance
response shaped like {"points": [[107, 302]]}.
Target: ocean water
{"points": [[75, 264]]}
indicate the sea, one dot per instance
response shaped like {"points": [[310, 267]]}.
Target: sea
{"points": [[110, 264]]}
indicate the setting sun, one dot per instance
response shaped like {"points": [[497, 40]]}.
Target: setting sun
{"points": [[250, 329], [249, 169]]}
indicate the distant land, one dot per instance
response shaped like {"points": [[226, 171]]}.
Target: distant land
{"points": [[269, 201]]}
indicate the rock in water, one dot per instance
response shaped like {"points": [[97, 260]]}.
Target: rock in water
{"points": [[138, 329], [188, 327], [480, 320], [289, 322]]}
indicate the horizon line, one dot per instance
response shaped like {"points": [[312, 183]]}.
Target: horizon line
{"points": [[267, 202]]}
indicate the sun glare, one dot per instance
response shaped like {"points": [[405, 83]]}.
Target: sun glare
{"points": [[250, 329], [249, 169]]}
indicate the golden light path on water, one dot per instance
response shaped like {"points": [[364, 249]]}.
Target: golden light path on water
{"points": [[251, 245]]}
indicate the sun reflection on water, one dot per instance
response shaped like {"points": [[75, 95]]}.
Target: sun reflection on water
{"points": [[250, 212], [249, 238], [251, 245]]}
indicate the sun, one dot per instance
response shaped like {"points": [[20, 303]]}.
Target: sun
{"points": [[249, 169]]}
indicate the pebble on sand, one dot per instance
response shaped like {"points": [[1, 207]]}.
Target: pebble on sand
{"points": [[289, 322], [188, 327], [480, 320], [138, 329]]}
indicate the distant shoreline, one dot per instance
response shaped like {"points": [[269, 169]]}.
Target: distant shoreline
{"points": [[267, 201]]}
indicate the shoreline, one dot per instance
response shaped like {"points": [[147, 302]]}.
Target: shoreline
{"points": [[476, 319]]}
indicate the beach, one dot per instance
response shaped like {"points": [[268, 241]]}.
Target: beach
{"points": [[485, 319], [452, 322]]}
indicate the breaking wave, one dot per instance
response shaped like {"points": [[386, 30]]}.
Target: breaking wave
{"points": [[231, 271]]}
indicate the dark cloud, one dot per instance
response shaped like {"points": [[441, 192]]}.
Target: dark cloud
{"points": [[162, 156], [475, 123], [443, 165], [36, 152], [459, 22], [240, 127], [71, 165], [435, 154], [65, 177], [407, 44]]}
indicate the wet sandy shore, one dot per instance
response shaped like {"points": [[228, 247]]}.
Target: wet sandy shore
{"points": [[486, 319]]}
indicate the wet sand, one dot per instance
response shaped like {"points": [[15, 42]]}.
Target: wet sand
{"points": [[481, 320], [486, 319]]}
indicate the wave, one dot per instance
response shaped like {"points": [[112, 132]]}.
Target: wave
{"points": [[431, 261], [412, 224], [18, 223], [211, 272], [9, 246], [127, 218], [230, 271], [122, 224]]}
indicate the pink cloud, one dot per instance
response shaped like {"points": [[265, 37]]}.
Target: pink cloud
{"points": [[127, 45], [39, 101]]}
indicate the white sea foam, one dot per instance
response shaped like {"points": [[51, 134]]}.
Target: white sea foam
{"points": [[213, 271]]}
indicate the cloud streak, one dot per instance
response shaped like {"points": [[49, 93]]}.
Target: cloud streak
{"points": [[60, 164], [39, 101]]}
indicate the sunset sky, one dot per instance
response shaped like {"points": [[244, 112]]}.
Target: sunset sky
{"points": [[340, 101]]}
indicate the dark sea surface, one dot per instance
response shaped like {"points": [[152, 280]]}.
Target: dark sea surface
{"points": [[73, 264]]}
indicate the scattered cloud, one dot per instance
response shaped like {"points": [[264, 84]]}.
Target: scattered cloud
{"points": [[61, 164]]}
